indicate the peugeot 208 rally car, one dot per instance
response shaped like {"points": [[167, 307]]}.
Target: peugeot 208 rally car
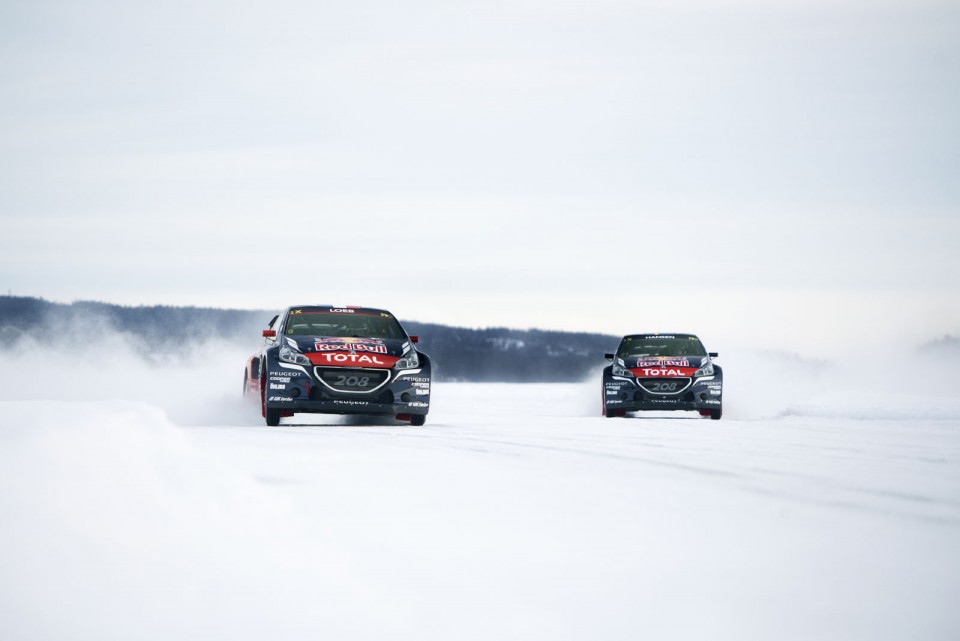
{"points": [[338, 360], [662, 372]]}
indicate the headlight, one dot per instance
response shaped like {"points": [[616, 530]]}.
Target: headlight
{"points": [[290, 355], [410, 361], [620, 370], [706, 370]]}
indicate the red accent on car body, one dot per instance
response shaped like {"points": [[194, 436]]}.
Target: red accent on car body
{"points": [[352, 359], [663, 371]]}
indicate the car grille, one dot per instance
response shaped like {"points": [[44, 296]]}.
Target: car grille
{"points": [[352, 381], [664, 386]]}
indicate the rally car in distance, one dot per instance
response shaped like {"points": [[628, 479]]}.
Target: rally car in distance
{"points": [[338, 360], [662, 372]]}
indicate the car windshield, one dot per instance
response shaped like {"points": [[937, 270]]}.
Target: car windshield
{"points": [[324, 322], [640, 346]]}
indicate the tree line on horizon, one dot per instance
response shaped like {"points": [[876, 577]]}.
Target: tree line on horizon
{"points": [[496, 354]]}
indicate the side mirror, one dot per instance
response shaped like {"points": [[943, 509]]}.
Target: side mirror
{"points": [[714, 355], [414, 339], [269, 333], [608, 356]]}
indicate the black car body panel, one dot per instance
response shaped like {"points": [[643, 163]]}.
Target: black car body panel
{"points": [[339, 360], [662, 372]]}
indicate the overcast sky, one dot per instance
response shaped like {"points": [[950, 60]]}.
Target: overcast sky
{"points": [[784, 172]]}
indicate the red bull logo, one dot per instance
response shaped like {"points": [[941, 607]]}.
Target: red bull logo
{"points": [[347, 344], [662, 361]]}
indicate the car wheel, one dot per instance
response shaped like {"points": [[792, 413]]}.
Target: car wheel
{"points": [[716, 414], [418, 419], [609, 413], [271, 414], [246, 384]]}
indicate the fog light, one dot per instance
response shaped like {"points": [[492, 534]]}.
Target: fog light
{"points": [[295, 392], [405, 397]]}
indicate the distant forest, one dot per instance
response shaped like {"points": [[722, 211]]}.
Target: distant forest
{"points": [[459, 354]]}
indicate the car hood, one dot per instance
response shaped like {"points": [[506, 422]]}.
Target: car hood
{"points": [[346, 351], [665, 366]]}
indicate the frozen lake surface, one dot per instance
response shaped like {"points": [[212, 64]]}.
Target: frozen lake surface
{"points": [[517, 512]]}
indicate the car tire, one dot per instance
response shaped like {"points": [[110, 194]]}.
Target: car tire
{"points": [[270, 414], [609, 413], [716, 414], [273, 416], [418, 419]]}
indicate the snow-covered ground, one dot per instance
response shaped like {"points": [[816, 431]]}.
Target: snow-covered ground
{"points": [[145, 502]]}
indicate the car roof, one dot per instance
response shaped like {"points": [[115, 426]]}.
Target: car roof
{"points": [[346, 309]]}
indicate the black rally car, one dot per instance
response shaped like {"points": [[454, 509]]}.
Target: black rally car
{"points": [[662, 372], [338, 360]]}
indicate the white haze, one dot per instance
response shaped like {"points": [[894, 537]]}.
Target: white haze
{"points": [[199, 382]]}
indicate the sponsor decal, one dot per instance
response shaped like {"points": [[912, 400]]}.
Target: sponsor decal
{"points": [[612, 402], [416, 380], [715, 392], [295, 312], [417, 404], [422, 385], [339, 402], [663, 361], [710, 401], [339, 310], [276, 386], [280, 399], [342, 359], [280, 379], [422, 392], [372, 345], [612, 392], [663, 401], [650, 372]]}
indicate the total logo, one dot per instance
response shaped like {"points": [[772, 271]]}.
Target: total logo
{"points": [[340, 358], [646, 372]]}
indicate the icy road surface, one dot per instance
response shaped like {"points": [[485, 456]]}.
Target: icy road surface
{"points": [[516, 513]]}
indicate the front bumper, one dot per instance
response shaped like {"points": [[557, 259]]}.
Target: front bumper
{"points": [[622, 394], [295, 388]]}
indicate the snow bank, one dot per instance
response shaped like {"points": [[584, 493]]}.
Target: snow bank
{"points": [[116, 524], [198, 384]]}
